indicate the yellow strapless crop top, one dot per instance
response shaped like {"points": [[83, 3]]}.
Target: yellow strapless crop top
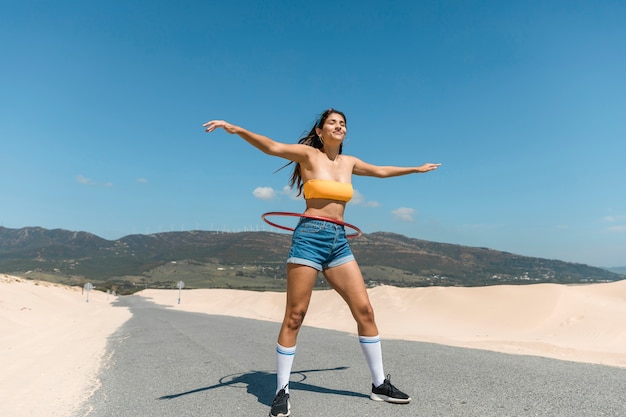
{"points": [[328, 189]]}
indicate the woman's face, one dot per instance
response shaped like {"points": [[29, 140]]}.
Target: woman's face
{"points": [[334, 127]]}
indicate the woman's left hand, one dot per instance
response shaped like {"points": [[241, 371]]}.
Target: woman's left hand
{"points": [[428, 167]]}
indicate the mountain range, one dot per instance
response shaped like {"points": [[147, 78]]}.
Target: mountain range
{"points": [[256, 260]]}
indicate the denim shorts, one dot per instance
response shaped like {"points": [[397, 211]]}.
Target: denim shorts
{"points": [[319, 244]]}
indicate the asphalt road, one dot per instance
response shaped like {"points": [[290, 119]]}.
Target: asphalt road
{"points": [[164, 362]]}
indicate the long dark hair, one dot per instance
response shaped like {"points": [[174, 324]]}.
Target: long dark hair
{"points": [[313, 140]]}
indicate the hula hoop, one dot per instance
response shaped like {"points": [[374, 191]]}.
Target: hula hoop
{"points": [[357, 232]]}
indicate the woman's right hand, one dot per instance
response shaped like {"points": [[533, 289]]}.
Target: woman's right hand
{"points": [[214, 124]]}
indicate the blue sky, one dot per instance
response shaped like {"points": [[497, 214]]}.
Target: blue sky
{"points": [[524, 104]]}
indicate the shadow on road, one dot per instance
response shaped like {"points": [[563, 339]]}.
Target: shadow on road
{"points": [[262, 385]]}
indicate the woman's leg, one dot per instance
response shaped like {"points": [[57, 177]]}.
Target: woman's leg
{"points": [[347, 280], [300, 282]]}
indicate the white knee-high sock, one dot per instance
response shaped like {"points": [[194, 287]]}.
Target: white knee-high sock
{"points": [[374, 355], [284, 361]]}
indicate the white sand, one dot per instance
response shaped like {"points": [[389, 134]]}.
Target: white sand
{"points": [[53, 342]]}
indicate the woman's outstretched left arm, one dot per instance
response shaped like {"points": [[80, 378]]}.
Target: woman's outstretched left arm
{"points": [[365, 169]]}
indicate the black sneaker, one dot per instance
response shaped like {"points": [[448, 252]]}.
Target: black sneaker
{"points": [[389, 393], [281, 407]]}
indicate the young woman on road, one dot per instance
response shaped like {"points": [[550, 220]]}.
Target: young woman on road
{"points": [[324, 174]]}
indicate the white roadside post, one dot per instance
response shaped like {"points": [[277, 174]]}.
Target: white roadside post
{"points": [[88, 287], [180, 286]]}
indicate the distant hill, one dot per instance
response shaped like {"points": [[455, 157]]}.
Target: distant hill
{"points": [[256, 260], [618, 269]]}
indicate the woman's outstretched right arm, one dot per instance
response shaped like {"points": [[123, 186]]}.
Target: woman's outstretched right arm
{"points": [[292, 152]]}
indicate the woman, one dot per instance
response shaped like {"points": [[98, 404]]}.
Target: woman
{"points": [[324, 174]]}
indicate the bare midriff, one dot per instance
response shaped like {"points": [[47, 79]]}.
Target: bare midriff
{"points": [[321, 207]]}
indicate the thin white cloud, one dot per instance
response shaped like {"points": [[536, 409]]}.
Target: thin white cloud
{"points": [[88, 181], [404, 214], [268, 193], [615, 223], [359, 199], [142, 180], [264, 193], [291, 193], [84, 180]]}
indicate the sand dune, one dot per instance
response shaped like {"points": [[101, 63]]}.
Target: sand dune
{"points": [[52, 345], [53, 342]]}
